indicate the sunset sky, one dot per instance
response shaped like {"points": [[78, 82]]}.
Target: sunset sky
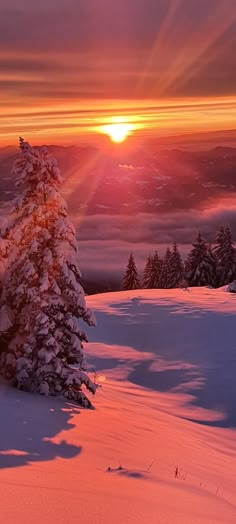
{"points": [[68, 67]]}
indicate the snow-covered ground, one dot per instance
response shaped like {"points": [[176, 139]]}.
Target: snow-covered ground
{"points": [[168, 401]]}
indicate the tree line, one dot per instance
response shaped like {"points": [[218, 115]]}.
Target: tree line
{"points": [[205, 265]]}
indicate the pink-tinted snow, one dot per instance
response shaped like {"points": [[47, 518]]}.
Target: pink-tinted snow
{"points": [[166, 362]]}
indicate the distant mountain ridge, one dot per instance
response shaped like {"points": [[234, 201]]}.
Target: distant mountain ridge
{"points": [[135, 181]]}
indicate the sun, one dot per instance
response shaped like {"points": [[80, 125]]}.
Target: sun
{"points": [[117, 131]]}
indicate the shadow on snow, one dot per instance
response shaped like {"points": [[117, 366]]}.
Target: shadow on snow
{"points": [[196, 345], [28, 423]]}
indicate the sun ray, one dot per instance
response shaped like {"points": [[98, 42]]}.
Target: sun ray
{"points": [[203, 44]]}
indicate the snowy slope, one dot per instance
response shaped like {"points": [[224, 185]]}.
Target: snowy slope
{"points": [[168, 400]]}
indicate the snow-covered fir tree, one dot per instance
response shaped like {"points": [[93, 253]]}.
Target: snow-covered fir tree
{"points": [[131, 280], [212, 261], [219, 252], [225, 257], [42, 299], [198, 267], [176, 268], [155, 271], [164, 281], [147, 273]]}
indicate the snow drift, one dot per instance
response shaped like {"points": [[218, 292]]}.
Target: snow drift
{"points": [[160, 447]]}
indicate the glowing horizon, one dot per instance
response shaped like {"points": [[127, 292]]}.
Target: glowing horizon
{"points": [[70, 122]]}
